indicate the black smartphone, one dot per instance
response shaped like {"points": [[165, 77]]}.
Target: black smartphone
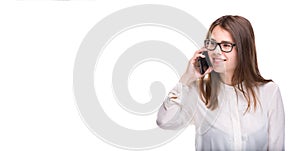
{"points": [[204, 63]]}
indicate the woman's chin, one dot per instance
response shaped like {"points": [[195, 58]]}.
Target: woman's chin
{"points": [[218, 69]]}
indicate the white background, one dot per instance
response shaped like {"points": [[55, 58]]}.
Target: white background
{"points": [[39, 42]]}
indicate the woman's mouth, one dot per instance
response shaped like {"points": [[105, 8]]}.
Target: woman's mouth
{"points": [[218, 60]]}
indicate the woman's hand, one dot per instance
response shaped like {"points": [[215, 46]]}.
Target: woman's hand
{"points": [[192, 72]]}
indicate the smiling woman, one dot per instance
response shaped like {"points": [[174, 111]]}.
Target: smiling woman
{"points": [[231, 105]]}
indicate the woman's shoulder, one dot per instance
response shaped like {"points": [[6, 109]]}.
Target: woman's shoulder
{"points": [[269, 87], [270, 84]]}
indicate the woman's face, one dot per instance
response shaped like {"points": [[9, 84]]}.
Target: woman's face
{"points": [[223, 63]]}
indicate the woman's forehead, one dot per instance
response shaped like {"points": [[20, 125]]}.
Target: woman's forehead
{"points": [[219, 34]]}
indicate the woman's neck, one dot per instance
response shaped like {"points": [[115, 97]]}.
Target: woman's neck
{"points": [[226, 78]]}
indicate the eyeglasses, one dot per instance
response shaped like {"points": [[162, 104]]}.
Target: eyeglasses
{"points": [[212, 45]]}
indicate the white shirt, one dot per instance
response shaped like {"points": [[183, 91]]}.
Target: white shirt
{"points": [[228, 127]]}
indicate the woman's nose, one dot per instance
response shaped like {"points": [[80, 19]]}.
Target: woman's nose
{"points": [[218, 51]]}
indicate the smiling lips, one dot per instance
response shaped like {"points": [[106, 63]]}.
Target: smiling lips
{"points": [[218, 60]]}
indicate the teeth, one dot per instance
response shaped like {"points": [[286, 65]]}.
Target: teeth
{"points": [[219, 59]]}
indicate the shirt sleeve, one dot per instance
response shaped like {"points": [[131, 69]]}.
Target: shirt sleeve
{"points": [[178, 108], [276, 123]]}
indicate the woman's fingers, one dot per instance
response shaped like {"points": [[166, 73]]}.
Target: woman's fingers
{"points": [[193, 69], [209, 70], [198, 53]]}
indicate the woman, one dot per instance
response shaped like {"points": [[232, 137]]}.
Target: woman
{"points": [[231, 105]]}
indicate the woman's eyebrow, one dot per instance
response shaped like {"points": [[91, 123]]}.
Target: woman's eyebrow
{"points": [[212, 39], [223, 41]]}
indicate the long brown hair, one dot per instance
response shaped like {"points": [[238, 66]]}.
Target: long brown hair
{"points": [[246, 75]]}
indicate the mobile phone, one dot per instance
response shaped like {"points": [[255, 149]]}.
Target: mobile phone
{"points": [[204, 63]]}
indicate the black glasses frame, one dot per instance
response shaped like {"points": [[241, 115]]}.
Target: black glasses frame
{"points": [[219, 44]]}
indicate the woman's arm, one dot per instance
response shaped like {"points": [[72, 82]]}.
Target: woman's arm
{"points": [[180, 104], [276, 122], [178, 108]]}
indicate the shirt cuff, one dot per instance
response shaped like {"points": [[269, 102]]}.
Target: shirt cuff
{"points": [[175, 96]]}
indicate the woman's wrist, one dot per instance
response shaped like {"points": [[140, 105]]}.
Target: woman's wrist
{"points": [[186, 79]]}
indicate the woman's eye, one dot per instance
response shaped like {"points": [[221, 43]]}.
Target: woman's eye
{"points": [[213, 43], [226, 45]]}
